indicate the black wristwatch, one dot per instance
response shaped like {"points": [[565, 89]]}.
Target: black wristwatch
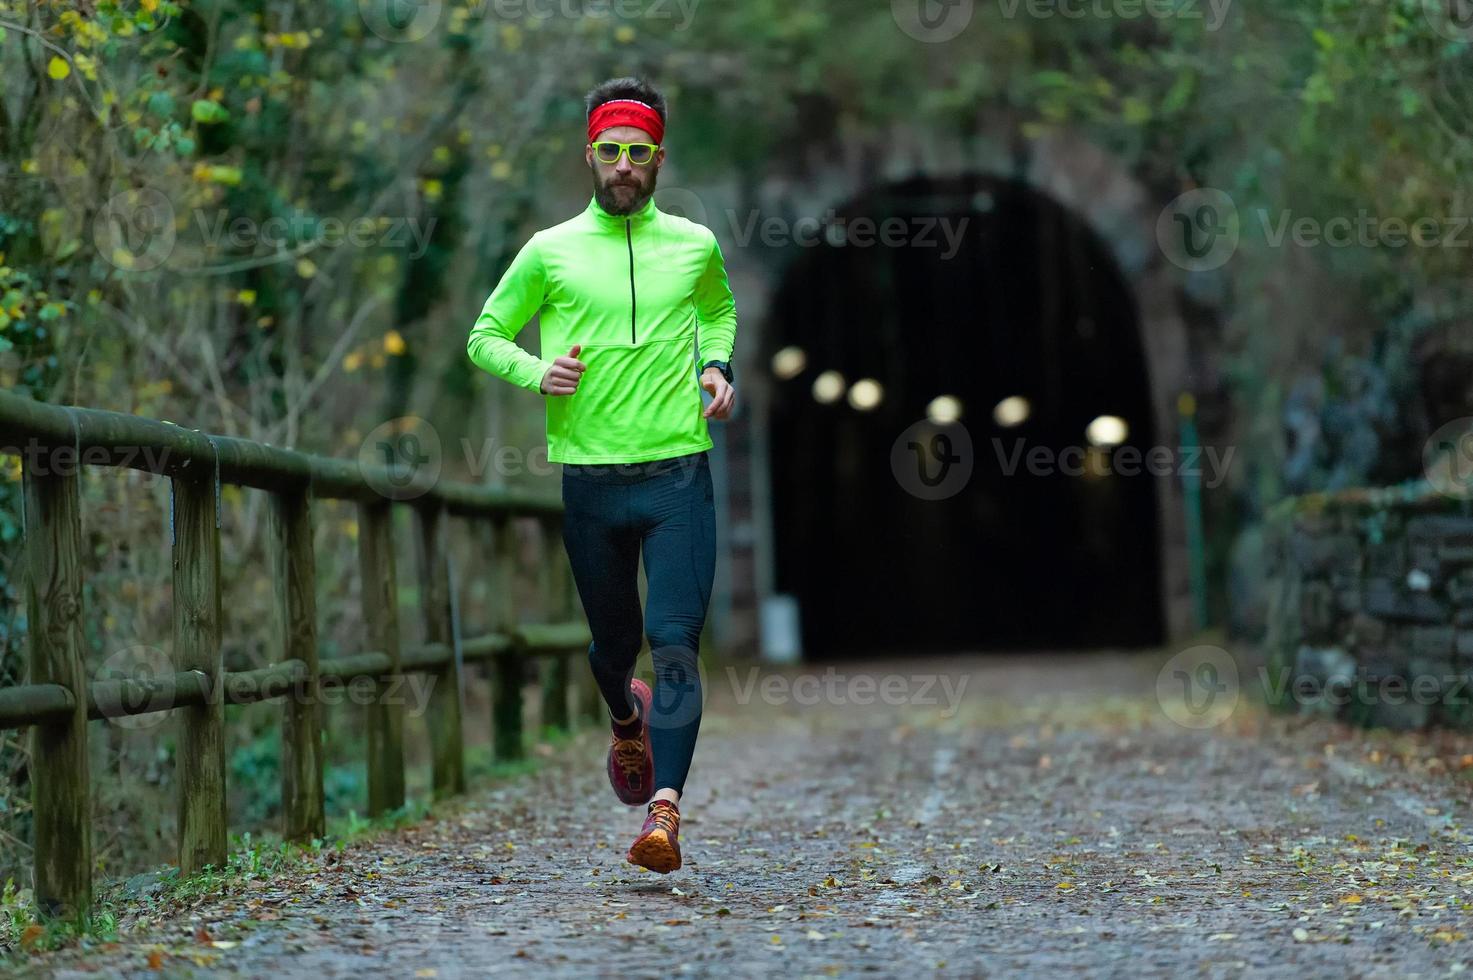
{"points": [[723, 366]]}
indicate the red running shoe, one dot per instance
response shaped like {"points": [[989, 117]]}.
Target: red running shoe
{"points": [[632, 760], [658, 845]]}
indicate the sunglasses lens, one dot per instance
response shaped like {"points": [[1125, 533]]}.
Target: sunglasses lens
{"points": [[640, 153], [607, 152]]}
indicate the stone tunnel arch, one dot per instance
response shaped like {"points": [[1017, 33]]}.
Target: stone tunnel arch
{"points": [[1080, 178]]}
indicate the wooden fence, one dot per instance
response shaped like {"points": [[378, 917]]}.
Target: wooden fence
{"points": [[54, 442]]}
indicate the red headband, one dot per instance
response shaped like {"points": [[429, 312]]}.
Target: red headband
{"points": [[626, 112]]}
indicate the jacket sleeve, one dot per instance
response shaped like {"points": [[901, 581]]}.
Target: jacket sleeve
{"points": [[514, 301], [715, 309]]}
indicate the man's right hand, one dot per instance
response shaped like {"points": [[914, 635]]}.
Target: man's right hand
{"points": [[562, 377]]}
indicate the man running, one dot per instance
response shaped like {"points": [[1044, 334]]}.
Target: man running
{"points": [[637, 298]]}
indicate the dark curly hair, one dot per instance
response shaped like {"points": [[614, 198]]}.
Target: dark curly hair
{"points": [[626, 88]]}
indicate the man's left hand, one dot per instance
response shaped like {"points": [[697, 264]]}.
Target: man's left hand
{"points": [[722, 394]]}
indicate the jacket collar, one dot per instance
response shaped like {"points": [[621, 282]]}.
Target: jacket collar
{"points": [[604, 219]]}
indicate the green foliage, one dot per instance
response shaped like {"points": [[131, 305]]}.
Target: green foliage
{"points": [[301, 116]]}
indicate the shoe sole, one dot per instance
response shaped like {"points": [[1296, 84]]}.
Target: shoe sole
{"points": [[655, 854]]}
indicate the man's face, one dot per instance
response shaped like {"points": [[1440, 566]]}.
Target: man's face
{"points": [[623, 187]]}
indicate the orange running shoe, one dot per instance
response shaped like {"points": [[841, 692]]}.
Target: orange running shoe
{"points": [[658, 845], [632, 760]]}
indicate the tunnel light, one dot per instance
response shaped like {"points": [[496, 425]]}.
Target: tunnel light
{"points": [[789, 362], [866, 394], [1107, 430], [944, 409], [828, 387], [1011, 411]]}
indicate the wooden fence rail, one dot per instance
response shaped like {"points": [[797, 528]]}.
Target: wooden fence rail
{"points": [[54, 442]]}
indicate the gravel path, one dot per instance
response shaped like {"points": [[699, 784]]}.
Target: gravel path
{"points": [[1054, 821]]}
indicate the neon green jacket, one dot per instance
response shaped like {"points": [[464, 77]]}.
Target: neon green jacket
{"points": [[632, 290]]}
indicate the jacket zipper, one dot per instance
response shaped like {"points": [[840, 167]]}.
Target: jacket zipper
{"points": [[629, 238]]}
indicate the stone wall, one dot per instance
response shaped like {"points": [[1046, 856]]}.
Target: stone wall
{"points": [[1370, 607]]}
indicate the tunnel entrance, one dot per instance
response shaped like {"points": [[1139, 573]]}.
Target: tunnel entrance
{"points": [[1020, 314]]}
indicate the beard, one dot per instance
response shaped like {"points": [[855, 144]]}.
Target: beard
{"points": [[628, 199]]}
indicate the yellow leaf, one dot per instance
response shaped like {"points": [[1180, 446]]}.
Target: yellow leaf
{"points": [[393, 342], [149, 5], [57, 67], [624, 34], [306, 268], [246, 297], [353, 361], [1351, 899]]}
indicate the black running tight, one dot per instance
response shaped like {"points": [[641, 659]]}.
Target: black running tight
{"points": [[665, 509]]}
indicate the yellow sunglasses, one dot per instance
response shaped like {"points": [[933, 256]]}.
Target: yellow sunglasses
{"points": [[640, 154]]}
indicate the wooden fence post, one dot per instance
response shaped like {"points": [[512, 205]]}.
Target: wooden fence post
{"points": [[59, 779], [443, 720], [588, 703], [506, 705], [302, 811], [556, 677], [200, 757], [381, 619]]}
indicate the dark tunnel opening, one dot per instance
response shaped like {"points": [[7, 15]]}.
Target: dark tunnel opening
{"points": [[1021, 315]]}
